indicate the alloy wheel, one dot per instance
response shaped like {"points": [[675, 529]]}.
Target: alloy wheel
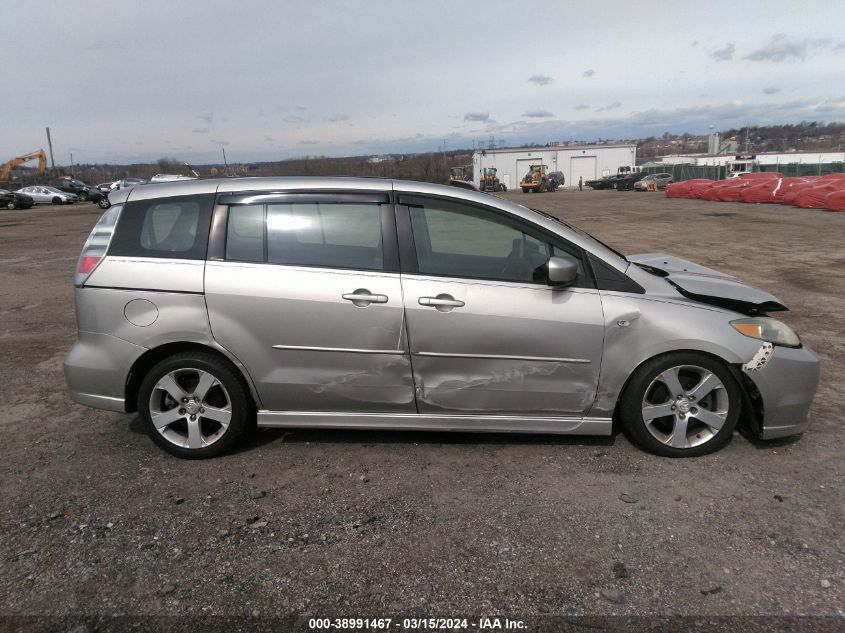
{"points": [[190, 408], [685, 406]]}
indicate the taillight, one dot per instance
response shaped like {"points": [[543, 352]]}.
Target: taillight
{"points": [[96, 245]]}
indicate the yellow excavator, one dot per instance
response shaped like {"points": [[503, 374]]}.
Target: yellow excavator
{"points": [[20, 160]]}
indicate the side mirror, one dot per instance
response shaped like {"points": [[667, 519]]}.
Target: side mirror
{"points": [[561, 271]]}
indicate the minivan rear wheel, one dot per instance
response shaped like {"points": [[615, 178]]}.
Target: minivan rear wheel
{"points": [[682, 404], [194, 405]]}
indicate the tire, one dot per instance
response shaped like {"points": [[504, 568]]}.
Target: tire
{"points": [[504, 188], [171, 389], [10, 205], [104, 203], [706, 410], [83, 196], [57, 200], [525, 190]]}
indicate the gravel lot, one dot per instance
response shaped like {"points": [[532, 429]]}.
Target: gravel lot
{"points": [[95, 520]]}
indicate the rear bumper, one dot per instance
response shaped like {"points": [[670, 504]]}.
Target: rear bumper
{"points": [[96, 369], [787, 383]]}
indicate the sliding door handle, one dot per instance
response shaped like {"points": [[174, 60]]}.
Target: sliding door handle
{"points": [[363, 297], [442, 302]]}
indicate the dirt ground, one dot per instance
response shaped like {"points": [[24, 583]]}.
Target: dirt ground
{"points": [[95, 520]]}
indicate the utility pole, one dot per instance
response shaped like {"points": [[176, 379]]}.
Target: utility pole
{"points": [[50, 145], [71, 165], [225, 164]]}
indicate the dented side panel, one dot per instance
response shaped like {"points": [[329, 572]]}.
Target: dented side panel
{"points": [[306, 347], [510, 348]]}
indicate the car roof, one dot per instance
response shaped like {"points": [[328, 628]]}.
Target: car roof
{"points": [[283, 183]]}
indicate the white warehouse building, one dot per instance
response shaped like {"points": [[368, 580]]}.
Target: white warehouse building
{"points": [[575, 161]]}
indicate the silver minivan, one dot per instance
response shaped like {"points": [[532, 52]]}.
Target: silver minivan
{"points": [[209, 306]]}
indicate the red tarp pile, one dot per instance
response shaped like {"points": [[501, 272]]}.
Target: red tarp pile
{"points": [[792, 192], [681, 189], [814, 197], [769, 190], [835, 200], [712, 193]]}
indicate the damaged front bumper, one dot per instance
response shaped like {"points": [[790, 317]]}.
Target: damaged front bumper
{"points": [[785, 380]]}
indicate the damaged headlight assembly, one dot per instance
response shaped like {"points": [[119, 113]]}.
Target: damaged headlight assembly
{"points": [[767, 329]]}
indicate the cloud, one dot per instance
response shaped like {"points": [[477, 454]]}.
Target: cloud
{"points": [[840, 46], [725, 54], [611, 106], [269, 139], [294, 119], [477, 116], [588, 73], [220, 142], [299, 106], [540, 80], [308, 142], [201, 130], [694, 44], [206, 116], [338, 117], [771, 90], [582, 106], [537, 114], [782, 48]]}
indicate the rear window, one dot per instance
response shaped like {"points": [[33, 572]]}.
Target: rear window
{"points": [[174, 228]]}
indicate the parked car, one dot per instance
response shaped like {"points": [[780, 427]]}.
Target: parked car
{"points": [[605, 182], [84, 192], [737, 174], [170, 178], [662, 181], [627, 181], [208, 306], [48, 195], [125, 183], [15, 200], [105, 187]]}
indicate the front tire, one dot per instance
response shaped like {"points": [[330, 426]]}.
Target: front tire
{"points": [[10, 205], [195, 405], [104, 203], [681, 404], [83, 196], [57, 200]]}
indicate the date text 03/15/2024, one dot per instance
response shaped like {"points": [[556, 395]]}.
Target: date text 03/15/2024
{"points": [[416, 623]]}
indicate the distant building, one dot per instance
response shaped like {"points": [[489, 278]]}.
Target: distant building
{"points": [[766, 161], [575, 161]]}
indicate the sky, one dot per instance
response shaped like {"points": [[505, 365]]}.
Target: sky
{"points": [[122, 82]]}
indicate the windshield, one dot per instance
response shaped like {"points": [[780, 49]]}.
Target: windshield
{"points": [[580, 232]]}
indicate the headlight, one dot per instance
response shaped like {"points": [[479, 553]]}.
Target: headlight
{"points": [[767, 329]]}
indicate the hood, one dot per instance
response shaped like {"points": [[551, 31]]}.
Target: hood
{"points": [[710, 286]]}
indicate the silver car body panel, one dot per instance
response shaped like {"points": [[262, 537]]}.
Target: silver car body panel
{"points": [[510, 348], [307, 347], [438, 422], [705, 282], [513, 358]]}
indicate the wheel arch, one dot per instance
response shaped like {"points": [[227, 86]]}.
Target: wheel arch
{"points": [[751, 411], [146, 361]]}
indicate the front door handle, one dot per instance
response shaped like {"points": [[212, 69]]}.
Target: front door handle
{"points": [[442, 302], [363, 297]]}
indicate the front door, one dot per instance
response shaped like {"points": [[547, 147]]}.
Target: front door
{"points": [[487, 334], [307, 295]]}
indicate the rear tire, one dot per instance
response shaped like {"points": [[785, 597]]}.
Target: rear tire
{"points": [[57, 200], [681, 404], [525, 190], [195, 405], [10, 205], [83, 196]]}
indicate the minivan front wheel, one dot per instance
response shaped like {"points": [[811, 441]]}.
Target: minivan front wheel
{"points": [[682, 404], [194, 405]]}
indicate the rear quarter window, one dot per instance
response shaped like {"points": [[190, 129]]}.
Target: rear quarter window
{"points": [[175, 228]]}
